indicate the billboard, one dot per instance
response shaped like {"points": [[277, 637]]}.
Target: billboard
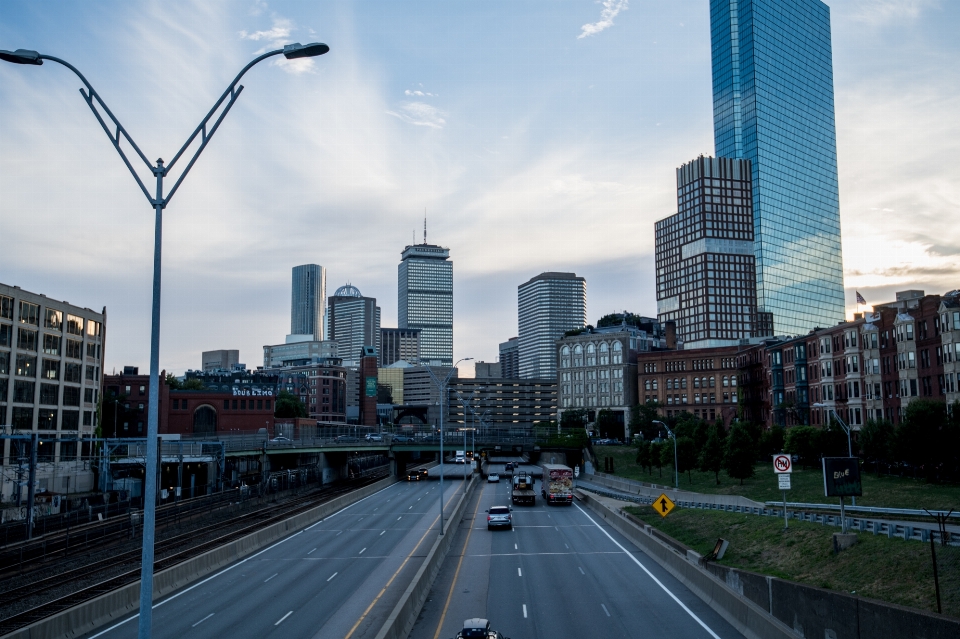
{"points": [[371, 387], [841, 477]]}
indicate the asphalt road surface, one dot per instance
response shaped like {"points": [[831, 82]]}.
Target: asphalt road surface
{"points": [[338, 578], [558, 573]]}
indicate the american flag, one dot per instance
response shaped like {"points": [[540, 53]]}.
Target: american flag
{"points": [[860, 299]]}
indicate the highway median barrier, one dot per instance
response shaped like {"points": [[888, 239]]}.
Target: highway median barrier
{"points": [[113, 606], [763, 607], [401, 620]]}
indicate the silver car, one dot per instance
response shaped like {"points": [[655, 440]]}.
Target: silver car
{"points": [[499, 517]]}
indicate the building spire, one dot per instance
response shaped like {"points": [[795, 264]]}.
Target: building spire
{"points": [[424, 225]]}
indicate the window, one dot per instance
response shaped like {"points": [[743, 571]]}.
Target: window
{"points": [[49, 394], [6, 333], [50, 369], [91, 373], [71, 396], [89, 396], [6, 307], [74, 325], [604, 354], [74, 349], [26, 365], [909, 331], [70, 420], [71, 373], [23, 392], [4, 368], [26, 339], [591, 355], [29, 313], [46, 420], [911, 360], [617, 354], [93, 328], [93, 351]]}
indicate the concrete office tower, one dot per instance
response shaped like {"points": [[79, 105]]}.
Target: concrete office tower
{"points": [[398, 344], [354, 322], [547, 306], [308, 301], [706, 269], [773, 105], [222, 360], [510, 358], [425, 299]]}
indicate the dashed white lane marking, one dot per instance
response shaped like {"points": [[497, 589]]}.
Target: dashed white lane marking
{"points": [[568, 547], [361, 552], [650, 574], [581, 571], [519, 574], [202, 620], [410, 508], [311, 552], [381, 534], [515, 547], [361, 519], [557, 529], [338, 534], [524, 611], [270, 577], [605, 609], [400, 517], [332, 576], [283, 617]]}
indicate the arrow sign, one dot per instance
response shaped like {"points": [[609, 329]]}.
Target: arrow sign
{"points": [[663, 505]]}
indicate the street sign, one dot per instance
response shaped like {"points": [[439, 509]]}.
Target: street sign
{"points": [[784, 481], [782, 464], [841, 477], [576, 471], [663, 505]]}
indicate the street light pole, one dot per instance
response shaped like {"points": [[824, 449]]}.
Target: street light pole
{"points": [[676, 472], [442, 387], [845, 428], [158, 202]]}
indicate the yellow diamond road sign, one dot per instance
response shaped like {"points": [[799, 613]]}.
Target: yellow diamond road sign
{"points": [[663, 505]]}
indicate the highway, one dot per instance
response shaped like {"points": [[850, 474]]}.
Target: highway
{"points": [[338, 578], [558, 573]]}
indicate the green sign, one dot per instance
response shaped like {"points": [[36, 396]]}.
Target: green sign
{"points": [[371, 387], [841, 477]]}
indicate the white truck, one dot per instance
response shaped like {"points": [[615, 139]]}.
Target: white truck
{"points": [[557, 484]]}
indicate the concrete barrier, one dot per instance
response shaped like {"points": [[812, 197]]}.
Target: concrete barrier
{"points": [[114, 605], [400, 622], [634, 487], [798, 609]]}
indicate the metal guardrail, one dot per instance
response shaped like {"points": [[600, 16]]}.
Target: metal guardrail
{"points": [[906, 531], [875, 510]]}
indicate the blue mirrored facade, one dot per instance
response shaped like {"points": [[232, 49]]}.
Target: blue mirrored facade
{"points": [[773, 105]]}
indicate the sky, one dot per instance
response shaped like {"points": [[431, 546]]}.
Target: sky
{"points": [[534, 135]]}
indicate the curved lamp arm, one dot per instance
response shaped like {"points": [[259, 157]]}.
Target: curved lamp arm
{"points": [[290, 51]]}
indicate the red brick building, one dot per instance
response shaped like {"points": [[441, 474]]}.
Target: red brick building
{"points": [[699, 381]]}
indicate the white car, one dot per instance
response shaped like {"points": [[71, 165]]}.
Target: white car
{"points": [[493, 478]]}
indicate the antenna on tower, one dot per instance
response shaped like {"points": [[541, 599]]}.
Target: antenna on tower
{"points": [[424, 225]]}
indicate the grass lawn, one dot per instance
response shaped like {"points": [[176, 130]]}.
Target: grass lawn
{"points": [[890, 570], [892, 492]]}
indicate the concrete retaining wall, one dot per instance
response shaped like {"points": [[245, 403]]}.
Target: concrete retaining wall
{"points": [[114, 605], [797, 609], [400, 622]]}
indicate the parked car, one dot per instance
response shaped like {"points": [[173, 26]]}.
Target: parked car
{"points": [[346, 439], [499, 517], [373, 437], [401, 438], [493, 478]]}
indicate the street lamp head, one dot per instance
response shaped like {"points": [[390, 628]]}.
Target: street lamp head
{"points": [[21, 56], [297, 50]]}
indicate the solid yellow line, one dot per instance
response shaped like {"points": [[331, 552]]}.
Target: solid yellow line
{"points": [[377, 598], [443, 615]]}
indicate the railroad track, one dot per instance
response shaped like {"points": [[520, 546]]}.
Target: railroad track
{"points": [[263, 517]]}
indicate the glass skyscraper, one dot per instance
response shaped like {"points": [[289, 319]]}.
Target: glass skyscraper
{"points": [[308, 301], [773, 105], [425, 299]]}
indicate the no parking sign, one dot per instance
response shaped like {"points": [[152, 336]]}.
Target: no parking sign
{"points": [[782, 464]]}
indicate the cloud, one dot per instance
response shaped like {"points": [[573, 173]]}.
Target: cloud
{"points": [[610, 10], [420, 94], [881, 12], [279, 33], [420, 114]]}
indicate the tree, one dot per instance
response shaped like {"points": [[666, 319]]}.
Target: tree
{"points": [[711, 455], [772, 440], [642, 417], [191, 383], [740, 453], [686, 456], [803, 441], [573, 419], [644, 459], [928, 439], [607, 425], [665, 450], [876, 441], [657, 456], [289, 405]]}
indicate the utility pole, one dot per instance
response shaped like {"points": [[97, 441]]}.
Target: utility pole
{"points": [[34, 443]]}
